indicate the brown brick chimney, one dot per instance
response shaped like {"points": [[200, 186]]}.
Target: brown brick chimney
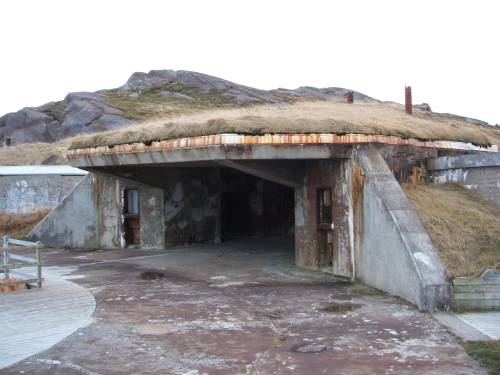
{"points": [[350, 97], [408, 104]]}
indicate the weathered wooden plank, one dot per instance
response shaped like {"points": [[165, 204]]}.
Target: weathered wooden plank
{"points": [[477, 295], [476, 281], [21, 242], [476, 288], [36, 319], [22, 258], [476, 303]]}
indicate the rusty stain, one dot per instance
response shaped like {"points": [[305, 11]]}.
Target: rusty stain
{"points": [[271, 139], [357, 181], [350, 97], [416, 175]]}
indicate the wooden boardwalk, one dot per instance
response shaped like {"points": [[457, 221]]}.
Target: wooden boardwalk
{"points": [[36, 319]]}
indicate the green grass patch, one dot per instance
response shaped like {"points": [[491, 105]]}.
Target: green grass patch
{"points": [[487, 353], [55, 110], [151, 103]]}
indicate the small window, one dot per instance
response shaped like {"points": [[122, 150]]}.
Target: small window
{"points": [[8, 142], [132, 204], [324, 206]]}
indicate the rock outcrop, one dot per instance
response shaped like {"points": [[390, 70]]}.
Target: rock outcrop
{"points": [[143, 96]]}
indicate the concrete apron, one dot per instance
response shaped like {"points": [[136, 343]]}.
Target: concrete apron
{"points": [[236, 308], [36, 319]]}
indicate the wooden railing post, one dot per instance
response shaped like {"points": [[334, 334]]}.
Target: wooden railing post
{"points": [[38, 264], [6, 256]]}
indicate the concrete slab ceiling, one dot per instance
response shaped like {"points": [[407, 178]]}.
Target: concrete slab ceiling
{"points": [[246, 147]]}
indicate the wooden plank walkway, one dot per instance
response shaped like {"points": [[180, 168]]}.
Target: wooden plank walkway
{"points": [[36, 319], [487, 323]]}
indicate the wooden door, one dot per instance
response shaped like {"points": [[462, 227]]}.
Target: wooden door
{"points": [[131, 216]]}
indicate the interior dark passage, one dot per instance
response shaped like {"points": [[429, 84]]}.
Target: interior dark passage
{"points": [[251, 206]]}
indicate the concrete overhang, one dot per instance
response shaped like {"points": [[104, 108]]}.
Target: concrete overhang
{"points": [[213, 148]]}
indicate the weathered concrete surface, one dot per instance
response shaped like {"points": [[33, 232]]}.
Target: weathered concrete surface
{"points": [[36, 319], [213, 153], [480, 172], [25, 193], [73, 223], [486, 322], [393, 251], [91, 216], [239, 308], [151, 203], [313, 244], [458, 327], [278, 171]]}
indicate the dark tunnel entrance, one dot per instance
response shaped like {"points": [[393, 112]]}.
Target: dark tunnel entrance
{"points": [[253, 207]]}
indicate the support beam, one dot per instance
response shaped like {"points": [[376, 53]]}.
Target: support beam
{"points": [[278, 171]]}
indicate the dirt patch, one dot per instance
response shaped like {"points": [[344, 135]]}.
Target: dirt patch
{"points": [[19, 225], [335, 308], [152, 275]]}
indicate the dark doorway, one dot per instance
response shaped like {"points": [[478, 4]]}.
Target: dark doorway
{"points": [[235, 213], [131, 216], [251, 206]]}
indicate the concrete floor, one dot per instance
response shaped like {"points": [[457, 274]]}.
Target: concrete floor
{"points": [[239, 308]]}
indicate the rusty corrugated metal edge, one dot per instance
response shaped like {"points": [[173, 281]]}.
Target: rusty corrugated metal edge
{"points": [[272, 139]]}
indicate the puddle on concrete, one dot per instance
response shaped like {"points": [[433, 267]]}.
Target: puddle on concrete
{"points": [[335, 308], [310, 348], [152, 275]]}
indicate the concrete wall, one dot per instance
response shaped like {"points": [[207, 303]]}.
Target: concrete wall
{"points": [[90, 216], [73, 223], [393, 252], [29, 193], [480, 172], [309, 240]]}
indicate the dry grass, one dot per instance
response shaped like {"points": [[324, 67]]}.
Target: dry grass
{"points": [[464, 227], [301, 117], [34, 153], [19, 225]]}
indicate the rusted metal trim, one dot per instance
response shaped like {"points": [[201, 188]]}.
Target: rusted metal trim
{"points": [[272, 139]]}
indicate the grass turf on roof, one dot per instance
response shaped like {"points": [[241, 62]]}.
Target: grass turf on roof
{"points": [[302, 117]]}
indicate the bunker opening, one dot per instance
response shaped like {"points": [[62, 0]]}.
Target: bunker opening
{"points": [[255, 207]]}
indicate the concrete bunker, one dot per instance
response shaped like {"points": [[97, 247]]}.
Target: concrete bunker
{"points": [[338, 198]]}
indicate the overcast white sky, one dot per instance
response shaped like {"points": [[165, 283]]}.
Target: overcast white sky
{"points": [[447, 50]]}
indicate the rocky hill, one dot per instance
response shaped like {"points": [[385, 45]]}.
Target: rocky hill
{"points": [[144, 96]]}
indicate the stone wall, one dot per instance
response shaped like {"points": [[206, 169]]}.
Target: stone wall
{"points": [[29, 193], [192, 200]]}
